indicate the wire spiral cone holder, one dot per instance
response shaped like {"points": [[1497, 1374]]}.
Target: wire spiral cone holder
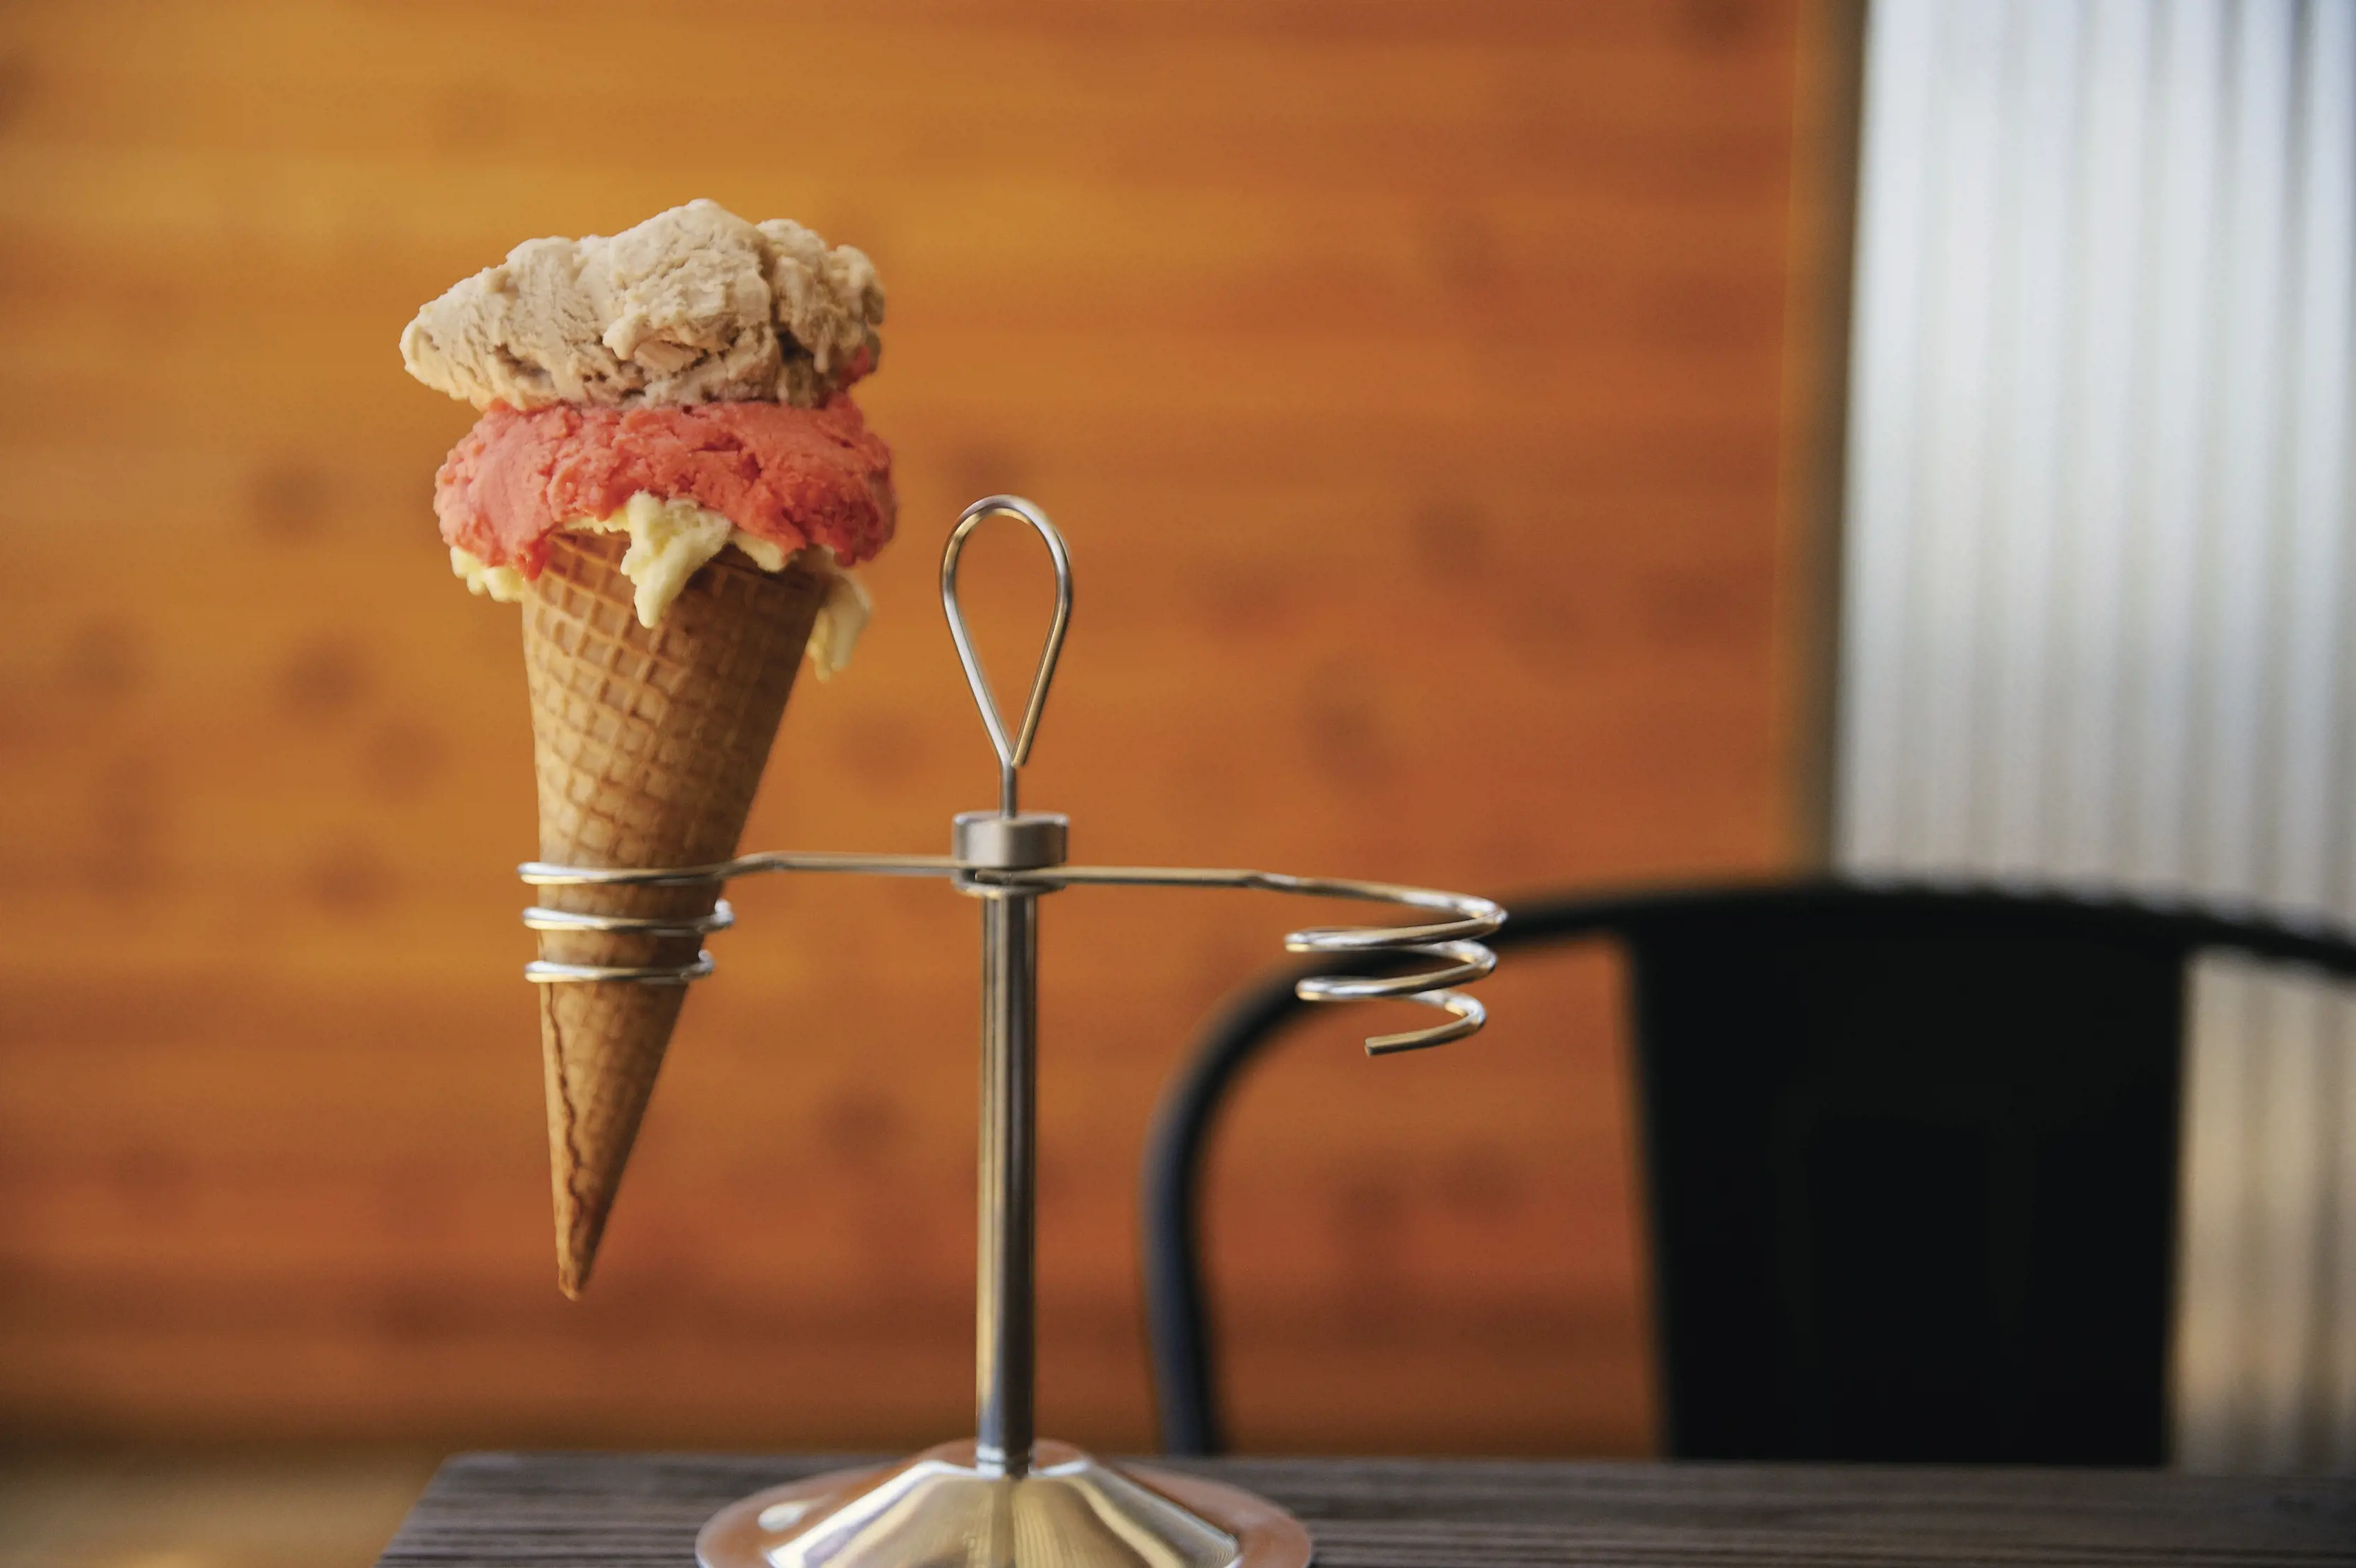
{"points": [[1005, 1499]]}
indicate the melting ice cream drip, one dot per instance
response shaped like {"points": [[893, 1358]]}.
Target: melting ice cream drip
{"points": [[670, 542]]}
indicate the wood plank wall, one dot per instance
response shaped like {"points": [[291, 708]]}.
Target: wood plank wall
{"points": [[1409, 379]]}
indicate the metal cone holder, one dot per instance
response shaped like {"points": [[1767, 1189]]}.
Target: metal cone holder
{"points": [[1005, 1499]]}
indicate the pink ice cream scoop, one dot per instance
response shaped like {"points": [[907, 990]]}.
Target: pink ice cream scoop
{"points": [[795, 477]]}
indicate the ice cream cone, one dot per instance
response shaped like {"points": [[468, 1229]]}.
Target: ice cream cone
{"points": [[680, 387], [648, 745]]}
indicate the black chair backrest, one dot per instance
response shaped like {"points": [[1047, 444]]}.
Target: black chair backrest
{"points": [[1910, 1155]]}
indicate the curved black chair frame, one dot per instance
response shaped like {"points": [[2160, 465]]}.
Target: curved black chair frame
{"points": [[1721, 1399]]}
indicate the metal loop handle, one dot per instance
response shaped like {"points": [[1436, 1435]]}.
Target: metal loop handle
{"points": [[1016, 750]]}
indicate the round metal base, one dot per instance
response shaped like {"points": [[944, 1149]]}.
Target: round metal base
{"points": [[936, 1510]]}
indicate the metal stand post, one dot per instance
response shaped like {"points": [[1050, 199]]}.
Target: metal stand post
{"points": [[1006, 1276], [1006, 1326]]}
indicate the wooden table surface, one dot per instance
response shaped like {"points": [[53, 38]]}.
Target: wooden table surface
{"points": [[625, 1511]]}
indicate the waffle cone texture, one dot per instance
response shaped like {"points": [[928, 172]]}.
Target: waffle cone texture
{"points": [[648, 746]]}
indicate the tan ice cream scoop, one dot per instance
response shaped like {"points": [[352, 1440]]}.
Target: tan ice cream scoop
{"points": [[694, 305]]}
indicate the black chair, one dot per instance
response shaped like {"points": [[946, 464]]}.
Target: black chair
{"points": [[1910, 1158]]}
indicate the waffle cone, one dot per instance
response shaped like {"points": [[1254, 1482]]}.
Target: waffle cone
{"points": [[648, 746]]}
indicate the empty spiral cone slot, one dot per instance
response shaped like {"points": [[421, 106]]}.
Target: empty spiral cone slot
{"points": [[1453, 944], [1463, 961]]}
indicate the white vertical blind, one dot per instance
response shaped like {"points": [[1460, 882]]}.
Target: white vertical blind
{"points": [[2099, 618]]}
